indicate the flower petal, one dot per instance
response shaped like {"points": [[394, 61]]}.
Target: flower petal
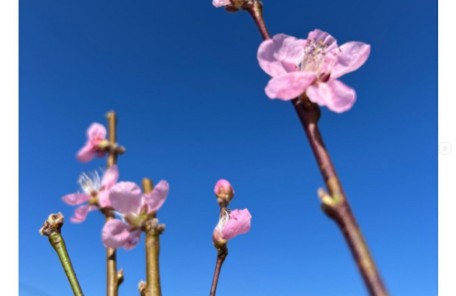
{"points": [[132, 240], [157, 197], [334, 94], [238, 223], [80, 213], [75, 198], [86, 153], [289, 86], [220, 3], [110, 177], [115, 233], [352, 56], [281, 54], [126, 198], [324, 38], [96, 131]]}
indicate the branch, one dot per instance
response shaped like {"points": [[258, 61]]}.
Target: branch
{"points": [[52, 229], [335, 204]]}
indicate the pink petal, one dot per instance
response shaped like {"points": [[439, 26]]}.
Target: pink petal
{"points": [[238, 223], [80, 213], [103, 198], [220, 3], [110, 177], [132, 240], [96, 131], [324, 38], [352, 56], [75, 198], [157, 197], [115, 233], [126, 198], [289, 86], [334, 94], [86, 153], [281, 54]]}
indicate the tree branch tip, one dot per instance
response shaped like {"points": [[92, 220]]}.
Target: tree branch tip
{"points": [[120, 277], [53, 223]]}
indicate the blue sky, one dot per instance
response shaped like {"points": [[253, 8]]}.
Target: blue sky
{"points": [[189, 94]]}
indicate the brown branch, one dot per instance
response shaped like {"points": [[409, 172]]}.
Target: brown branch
{"points": [[114, 278], [222, 252], [153, 231], [335, 205]]}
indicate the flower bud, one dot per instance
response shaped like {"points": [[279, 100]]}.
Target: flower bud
{"points": [[224, 191]]}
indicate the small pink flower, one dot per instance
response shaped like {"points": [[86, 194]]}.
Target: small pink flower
{"points": [[96, 135], [134, 206], [220, 3], [311, 66], [232, 224], [95, 188]]}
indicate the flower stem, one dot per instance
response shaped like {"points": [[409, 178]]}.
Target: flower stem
{"points": [[52, 229], [335, 205], [222, 252], [114, 277], [153, 231]]}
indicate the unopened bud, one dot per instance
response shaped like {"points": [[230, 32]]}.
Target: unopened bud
{"points": [[224, 191]]}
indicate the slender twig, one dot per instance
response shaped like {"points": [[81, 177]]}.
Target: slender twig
{"points": [[52, 229], [222, 250], [114, 277], [334, 204], [153, 231]]}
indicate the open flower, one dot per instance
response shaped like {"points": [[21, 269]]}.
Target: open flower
{"points": [[231, 224], [96, 137], [135, 208], [311, 66], [95, 192]]}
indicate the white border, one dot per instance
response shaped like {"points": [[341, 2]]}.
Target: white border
{"points": [[9, 145]]}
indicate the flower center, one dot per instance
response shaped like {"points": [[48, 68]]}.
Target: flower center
{"points": [[90, 184], [315, 59]]}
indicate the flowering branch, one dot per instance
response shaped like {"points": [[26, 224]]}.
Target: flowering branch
{"points": [[231, 224], [153, 231], [52, 229], [334, 204], [114, 277]]}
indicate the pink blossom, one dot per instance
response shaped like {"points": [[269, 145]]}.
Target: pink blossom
{"points": [[232, 224], [220, 3], [96, 135], [311, 66], [224, 189], [134, 206], [95, 192]]}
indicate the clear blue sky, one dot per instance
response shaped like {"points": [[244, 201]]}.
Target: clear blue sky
{"points": [[185, 83]]}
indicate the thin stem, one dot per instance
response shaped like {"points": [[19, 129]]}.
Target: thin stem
{"points": [[52, 229], [335, 204], [153, 231], [222, 252], [114, 278]]}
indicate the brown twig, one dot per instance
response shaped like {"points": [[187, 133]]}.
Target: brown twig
{"points": [[334, 204], [153, 231], [114, 277], [222, 252]]}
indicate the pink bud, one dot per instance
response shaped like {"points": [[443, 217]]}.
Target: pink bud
{"points": [[223, 190]]}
